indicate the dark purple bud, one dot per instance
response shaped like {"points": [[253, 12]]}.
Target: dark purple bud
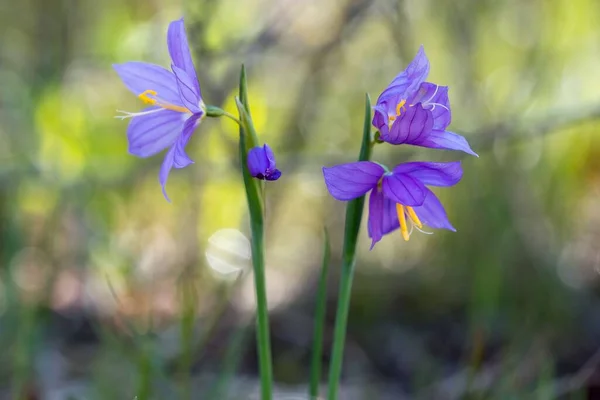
{"points": [[261, 163]]}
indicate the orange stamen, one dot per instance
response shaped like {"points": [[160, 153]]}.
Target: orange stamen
{"points": [[398, 110], [402, 220], [413, 217], [145, 97]]}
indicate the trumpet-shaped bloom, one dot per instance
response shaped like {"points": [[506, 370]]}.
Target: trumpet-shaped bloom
{"points": [[399, 198], [176, 106], [412, 111], [261, 163]]}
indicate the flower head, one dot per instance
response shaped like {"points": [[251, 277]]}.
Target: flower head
{"points": [[416, 112], [261, 163], [175, 104], [398, 198]]}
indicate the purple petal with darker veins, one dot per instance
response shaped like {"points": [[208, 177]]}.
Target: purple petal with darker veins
{"points": [[411, 126], [375, 223], [176, 156], [403, 189], [390, 216], [270, 156], [151, 133], [406, 82], [165, 168], [189, 97], [435, 99], [432, 173], [432, 213], [352, 180], [380, 119], [180, 51], [140, 76], [445, 140], [180, 157], [257, 161]]}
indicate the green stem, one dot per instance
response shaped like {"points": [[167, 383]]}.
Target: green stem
{"points": [[188, 292], [353, 218], [248, 139], [315, 369], [264, 343], [231, 116], [144, 387]]}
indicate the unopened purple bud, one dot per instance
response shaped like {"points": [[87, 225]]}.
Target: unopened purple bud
{"points": [[261, 163]]}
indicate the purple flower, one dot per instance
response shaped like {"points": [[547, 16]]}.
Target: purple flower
{"points": [[416, 112], [175, 100], [398, 198], [261, 163]]}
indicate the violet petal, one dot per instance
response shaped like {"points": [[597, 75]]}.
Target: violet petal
{"points": [[432, 173], [151, 133], [404, 189], [140, 77], [352, 180], [432, 213], [180, 52]]}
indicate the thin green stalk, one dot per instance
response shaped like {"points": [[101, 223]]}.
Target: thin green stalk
{"points": [[188, 300], [144, 370], [248, 139], [354, 212], [315, 369]]}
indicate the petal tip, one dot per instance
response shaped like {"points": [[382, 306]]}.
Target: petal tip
{"points": [[164, 191]]}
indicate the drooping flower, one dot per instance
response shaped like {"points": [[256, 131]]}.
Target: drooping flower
{"points": [[412, 111], [176, 105], [261, 163], [398, 198]]}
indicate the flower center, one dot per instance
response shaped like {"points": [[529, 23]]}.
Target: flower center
{"points": [[402, 212], [156, 101], [399, 107]]}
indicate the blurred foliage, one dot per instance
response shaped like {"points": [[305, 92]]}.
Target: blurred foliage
{"points": [[514, 288]]}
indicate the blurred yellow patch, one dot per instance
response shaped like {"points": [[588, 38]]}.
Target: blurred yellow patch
{"points": [[258, 108], [223, 204], [60, 123]]}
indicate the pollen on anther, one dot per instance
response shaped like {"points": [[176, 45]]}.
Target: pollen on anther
{"points": [[146, 98], [399, 107]]}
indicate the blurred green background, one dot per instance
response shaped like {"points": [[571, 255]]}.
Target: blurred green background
{"points": [[109, 292]]}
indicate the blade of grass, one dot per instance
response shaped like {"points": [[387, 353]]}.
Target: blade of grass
{"points": [[144, 370], [235, 350], [315, 369], [189, 299], [354, 212], [248, 139]]}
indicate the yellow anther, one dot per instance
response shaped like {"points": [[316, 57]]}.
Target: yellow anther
{"points": [[399, 107], [413, 216], [402, 220], [398, 110], [147, 99]]}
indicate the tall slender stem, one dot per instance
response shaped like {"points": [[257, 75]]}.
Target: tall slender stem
{"points": [[248, 139], [354, 212], [320, 312], [264, 341], [341, 321]]}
